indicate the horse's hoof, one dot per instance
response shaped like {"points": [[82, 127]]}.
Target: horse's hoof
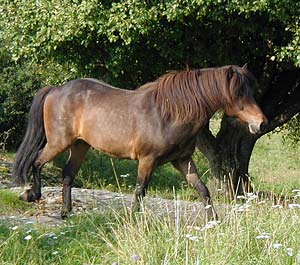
{"points": [[29, 196], [65, 214], [211, 214], [136, 208], [24, 196]]}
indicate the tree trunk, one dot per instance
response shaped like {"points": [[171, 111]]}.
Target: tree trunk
{"points": [[230, 155]]}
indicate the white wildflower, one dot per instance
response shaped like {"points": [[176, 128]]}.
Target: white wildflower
{"points": [[191, 237], [135, 257], [277, 206], [251, 197], [294, 205], [50, 235], [14, 228], [277, 245], [197, 228], [28, 237], [261, 202], [209, 225], [241, 207], [55, 252], [264, 235], [290, 252]]}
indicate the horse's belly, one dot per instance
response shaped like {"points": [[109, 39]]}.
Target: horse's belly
{"points": [[112, 141], [113, 149]]}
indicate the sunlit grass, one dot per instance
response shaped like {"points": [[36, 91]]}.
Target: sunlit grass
{"points": [[275, 165], [10, 203]]}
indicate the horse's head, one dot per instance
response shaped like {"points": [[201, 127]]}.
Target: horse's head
{"points": [[244, 106], [247, 110]]}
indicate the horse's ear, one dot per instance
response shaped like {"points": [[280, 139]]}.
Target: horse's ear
{"points": [[245, 66]]}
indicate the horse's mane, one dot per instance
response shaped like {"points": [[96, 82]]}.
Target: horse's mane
{"points": [[194, 95]]}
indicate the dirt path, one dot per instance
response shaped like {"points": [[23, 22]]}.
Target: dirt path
{"points": [[88, 200]]}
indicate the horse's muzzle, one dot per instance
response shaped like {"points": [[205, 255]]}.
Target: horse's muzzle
{"points": [[263, 126], [256, 128]]}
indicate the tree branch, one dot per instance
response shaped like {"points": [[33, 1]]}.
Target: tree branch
{"points": [[285, 108], [282, 118]]}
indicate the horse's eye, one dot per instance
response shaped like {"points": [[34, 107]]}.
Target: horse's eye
{"points": [[240, 104]]}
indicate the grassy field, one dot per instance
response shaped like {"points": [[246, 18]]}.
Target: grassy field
{"points": [[251, 231]]}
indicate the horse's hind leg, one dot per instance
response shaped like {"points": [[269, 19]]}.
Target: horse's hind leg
{"points": [[34, 193], [188, 169], [77, 153], [45, 155], [145, 168]]}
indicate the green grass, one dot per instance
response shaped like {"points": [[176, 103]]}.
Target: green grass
{"points": [[275, 165], [10, 203], [259, 235]]}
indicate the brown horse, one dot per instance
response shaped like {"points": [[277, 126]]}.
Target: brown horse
{"points": [[153, 124]]}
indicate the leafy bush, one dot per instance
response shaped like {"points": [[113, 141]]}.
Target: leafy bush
{"points": [[18, 85]]}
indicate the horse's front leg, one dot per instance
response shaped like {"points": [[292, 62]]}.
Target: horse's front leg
{"points": [[187, 167], [145, 168]]}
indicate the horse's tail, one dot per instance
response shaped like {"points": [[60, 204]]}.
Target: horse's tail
{"points": [[34, 139]]}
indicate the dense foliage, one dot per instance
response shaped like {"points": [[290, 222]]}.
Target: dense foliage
{"points": [[128, 43]]}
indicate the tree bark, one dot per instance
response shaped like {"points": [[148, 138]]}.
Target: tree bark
{"points": [[229, 159]]}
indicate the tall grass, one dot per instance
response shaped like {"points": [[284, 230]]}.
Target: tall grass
{"points": [[252, 232]]}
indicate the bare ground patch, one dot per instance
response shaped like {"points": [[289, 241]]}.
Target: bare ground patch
{"points": [[93, 200]]}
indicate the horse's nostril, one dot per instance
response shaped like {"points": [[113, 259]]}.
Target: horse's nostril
{"points": [[263, 126]]}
